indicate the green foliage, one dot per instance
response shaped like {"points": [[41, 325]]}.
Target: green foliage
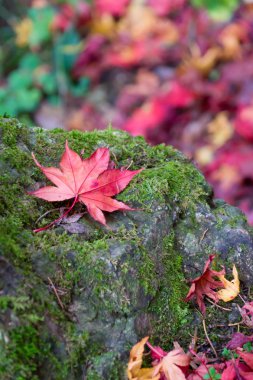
{"points": [[43, 67], [213, 375], [220, 10], [248, 347], [41, 19], [227, 354]]}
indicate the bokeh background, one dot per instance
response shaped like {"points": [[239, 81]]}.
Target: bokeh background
{"points": [[177, 72]]}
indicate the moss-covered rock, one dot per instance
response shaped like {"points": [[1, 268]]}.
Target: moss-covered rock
{"points": [[114, 285]]}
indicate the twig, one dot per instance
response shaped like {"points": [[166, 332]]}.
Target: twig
{"points": [[114, 156], [56, 293], [235, 324], [215, 304], [129, 165], [203, 235], [241, 298], [194, 337], [208, 339], [58, 219], [46, 213]]}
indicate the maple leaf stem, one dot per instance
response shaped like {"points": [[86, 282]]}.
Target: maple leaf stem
{"points": [[241, 298], [215, 304], [58, 219], [153, 349]]}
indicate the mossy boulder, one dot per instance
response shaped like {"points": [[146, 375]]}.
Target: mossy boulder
{"points": [[75, 298]]}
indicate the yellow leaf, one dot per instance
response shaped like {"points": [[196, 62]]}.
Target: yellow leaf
{"points": [[201, 63], [220, 130], [232, 288], [104, 25], [134, 370], [141, 23], [227, 175], [23, 30], [231, 38], [204, 155]]}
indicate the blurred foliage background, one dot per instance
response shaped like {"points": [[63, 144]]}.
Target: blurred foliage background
{"points": [[178, 72]]}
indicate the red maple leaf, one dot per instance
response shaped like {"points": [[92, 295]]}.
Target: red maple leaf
{"points": [[238, 340], [173, 365], [205, 285], [115, 8], [88, 181], [247, 357], [239, 370], [247, 314]]}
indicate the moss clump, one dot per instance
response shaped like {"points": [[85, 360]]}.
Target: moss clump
{"points": [[173, 313], [21, 353], [115, 279]]}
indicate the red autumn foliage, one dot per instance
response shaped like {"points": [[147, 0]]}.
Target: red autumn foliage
{"points": [[115, 8], [88, 181], [170, 70], [207, 62], [178, 365], [247, 314], [238, 340], [205, 285]]}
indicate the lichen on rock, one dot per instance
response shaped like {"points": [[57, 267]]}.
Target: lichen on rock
{"points": [[115, 285]]}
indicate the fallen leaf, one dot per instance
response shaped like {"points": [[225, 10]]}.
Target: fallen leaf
{"points": [[199, 372], [134, 370], [236, 370], [231, 37], [220, 130], [247, 357], [63, 19], [244, 122], [170, 365], [229, 373], [163, 7], [205, 285], [115, 8], [227, 175], [88, 181], [157, 353], [231, 288], [247, 314], [204, 155], [73, 218], [238, 340], [201, 63], [104, 25], [23, 30]]}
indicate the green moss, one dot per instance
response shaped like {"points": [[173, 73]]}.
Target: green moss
{"points": [[226, 215], [73, 263], [23, 354], [170, 183], [172, 314]]}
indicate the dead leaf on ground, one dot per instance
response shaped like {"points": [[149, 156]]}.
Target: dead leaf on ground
{"points": [[232, 288]]}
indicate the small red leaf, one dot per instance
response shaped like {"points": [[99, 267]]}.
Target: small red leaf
{"points": [[205, 285]]}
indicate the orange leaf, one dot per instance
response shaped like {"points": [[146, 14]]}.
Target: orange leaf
{"points": [[232, 288], [134, 370]]}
